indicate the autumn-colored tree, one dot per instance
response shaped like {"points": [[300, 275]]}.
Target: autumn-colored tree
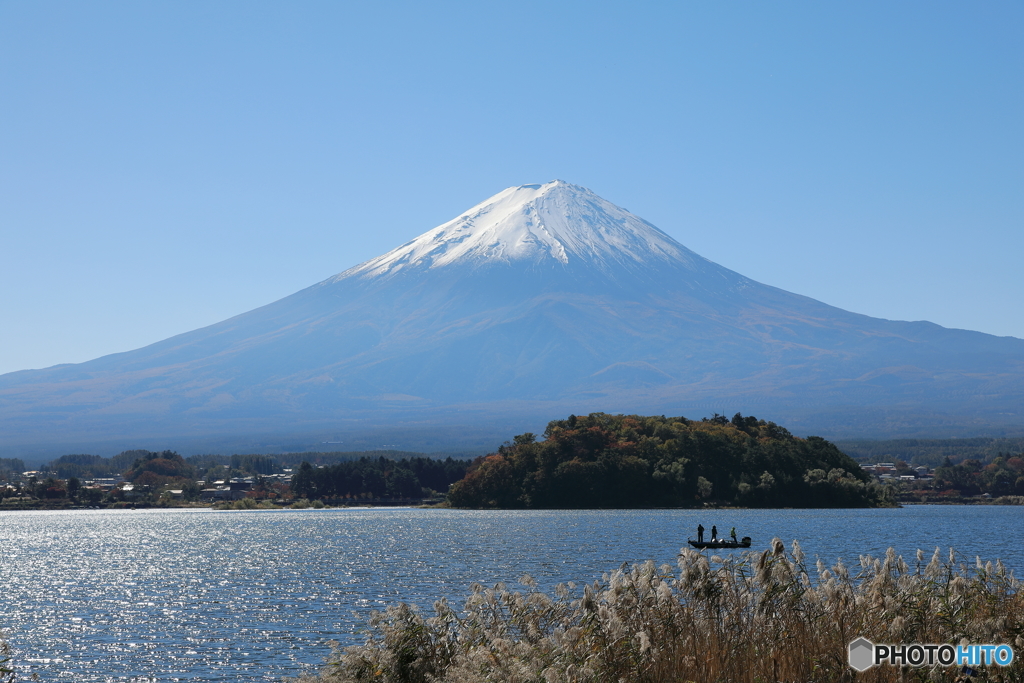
{"points": [[159, 469]]}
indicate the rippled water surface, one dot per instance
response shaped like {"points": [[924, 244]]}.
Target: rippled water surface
{"points": [[254, 596]]}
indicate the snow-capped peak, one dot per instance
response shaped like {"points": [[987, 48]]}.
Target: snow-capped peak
{"points": [[557, 221]]}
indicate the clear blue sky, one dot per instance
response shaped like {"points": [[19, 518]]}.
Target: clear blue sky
{"points": [[166, 165]]}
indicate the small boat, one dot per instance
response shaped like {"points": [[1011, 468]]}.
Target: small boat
{"points": [[720, 543]]}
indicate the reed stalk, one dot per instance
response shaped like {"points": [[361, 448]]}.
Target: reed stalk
{"points": [[752, 618], [6, 672]]}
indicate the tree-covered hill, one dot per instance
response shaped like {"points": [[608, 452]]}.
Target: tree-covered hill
{"points": [[626, 461], [158, 469]]}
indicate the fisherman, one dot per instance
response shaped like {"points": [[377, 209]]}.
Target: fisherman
{"points": [[700, 533], [733, 534], [714, 532]]}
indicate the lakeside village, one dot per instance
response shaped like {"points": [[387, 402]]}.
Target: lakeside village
{"points": [[146, 479], [116, 491], [255, 481]]}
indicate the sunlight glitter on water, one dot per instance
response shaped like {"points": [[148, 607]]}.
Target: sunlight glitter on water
{"points": [[255, 596]]}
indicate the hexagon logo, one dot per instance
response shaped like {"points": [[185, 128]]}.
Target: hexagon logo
{"points": [[862, 654]]}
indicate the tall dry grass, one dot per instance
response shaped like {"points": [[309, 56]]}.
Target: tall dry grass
{"points": [[6, 673], [754, 618]]}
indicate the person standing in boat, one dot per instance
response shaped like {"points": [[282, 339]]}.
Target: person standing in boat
{"points": [[714, 532], [700, 533], [733, 534]]}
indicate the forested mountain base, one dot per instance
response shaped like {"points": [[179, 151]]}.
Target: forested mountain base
{"points": [[629, 461]]}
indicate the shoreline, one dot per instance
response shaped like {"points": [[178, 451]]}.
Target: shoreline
{"points": [[48, 506]]}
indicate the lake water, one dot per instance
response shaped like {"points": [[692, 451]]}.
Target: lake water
{"points": [[254, 596]]}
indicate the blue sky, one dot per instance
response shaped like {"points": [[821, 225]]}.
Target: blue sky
{"points": [[167, 165]]}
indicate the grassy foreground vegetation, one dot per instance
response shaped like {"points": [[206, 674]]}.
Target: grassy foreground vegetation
{"points": [[754, 618], [6, 673]]}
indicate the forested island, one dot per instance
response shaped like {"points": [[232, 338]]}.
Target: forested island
{"points": [[630, 461]]}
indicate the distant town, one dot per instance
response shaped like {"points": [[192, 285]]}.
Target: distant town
{"points": [[969, 481], [165, 479]]}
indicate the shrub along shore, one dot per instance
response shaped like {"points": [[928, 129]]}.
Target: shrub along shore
{"points": [[751, 618]]}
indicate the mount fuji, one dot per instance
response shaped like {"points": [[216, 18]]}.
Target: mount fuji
{"points": [[540, 301]]}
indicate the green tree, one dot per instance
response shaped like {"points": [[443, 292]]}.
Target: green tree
{"points": [[90, 496], [302, 481], [402, 483], [190, 491]]}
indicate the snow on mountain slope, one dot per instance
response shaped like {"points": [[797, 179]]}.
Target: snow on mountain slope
{"points": [[554, 222], [543, 299]]}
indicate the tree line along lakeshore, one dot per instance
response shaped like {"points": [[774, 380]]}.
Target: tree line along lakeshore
{"points": [[593, 461]]}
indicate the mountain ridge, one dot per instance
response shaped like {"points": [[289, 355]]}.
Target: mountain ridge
{"points": [[608, 313]]}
